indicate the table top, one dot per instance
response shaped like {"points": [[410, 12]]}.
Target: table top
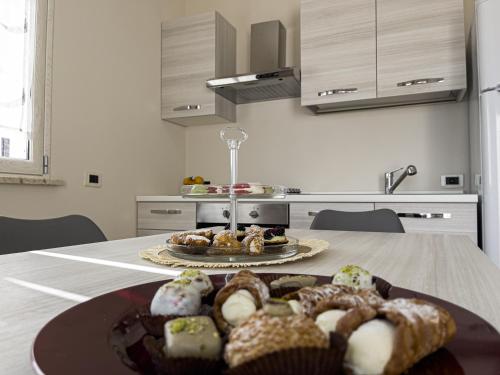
{"points": [[36, 286]]}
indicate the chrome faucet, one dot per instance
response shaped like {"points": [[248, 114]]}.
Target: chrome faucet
{"points": [[391, 185]]}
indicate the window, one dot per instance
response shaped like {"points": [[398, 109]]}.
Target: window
{"points": [[25, 55]]}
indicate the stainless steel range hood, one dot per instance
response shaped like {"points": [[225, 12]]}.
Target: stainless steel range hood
{"points": [[269, 79]]}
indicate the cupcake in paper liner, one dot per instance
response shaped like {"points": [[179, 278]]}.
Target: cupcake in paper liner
{"points": [[192, 345], [274, 340]]}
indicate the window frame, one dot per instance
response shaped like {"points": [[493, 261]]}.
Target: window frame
{"points": [[41, 98]]}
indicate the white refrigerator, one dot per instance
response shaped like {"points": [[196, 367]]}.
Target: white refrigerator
{"points": [[488, 60]]}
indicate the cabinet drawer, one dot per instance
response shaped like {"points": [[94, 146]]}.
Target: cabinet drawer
{"points": [[452, 218], [166, 216], [302, 214], [151, 232]]}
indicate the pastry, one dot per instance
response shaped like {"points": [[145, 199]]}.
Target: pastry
{"points": [[240, 231], [192, 337], [299, 281], [238, 299], [199, 281], [278, 307], [404, 332], [317, 299], [264, 334], [253, 244], [177, 297], [179, 238], [254, 229], [226, 239], [275, 236], [196, 241], [354, 276]]}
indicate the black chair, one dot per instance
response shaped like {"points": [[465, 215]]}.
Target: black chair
{"points": [[383, 220], [17, 235]]}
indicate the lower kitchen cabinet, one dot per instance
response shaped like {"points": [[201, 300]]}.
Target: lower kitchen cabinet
{"points": [[443, 218], [302, 214], [163, 217]]}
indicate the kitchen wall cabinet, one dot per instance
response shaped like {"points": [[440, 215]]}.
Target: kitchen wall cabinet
{"points": [[376, 53], [443, 218], [420, 47], [162, 217], [195, 49], [302, 214], [338, 51]]}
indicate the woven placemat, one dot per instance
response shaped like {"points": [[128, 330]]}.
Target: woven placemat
{"points": [[157, 255]]}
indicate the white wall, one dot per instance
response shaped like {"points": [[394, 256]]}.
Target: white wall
{"points": [[346, 151], [106, 116]]}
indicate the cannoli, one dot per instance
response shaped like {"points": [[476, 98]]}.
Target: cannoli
{"points": [[253, 244], [310, 297], [238, 299], [179, 238], [404, 332]]}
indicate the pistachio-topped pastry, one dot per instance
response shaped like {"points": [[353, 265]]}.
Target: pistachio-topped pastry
{"points": [[199, 281], [354, 276], [192, 337], [177, 297]]}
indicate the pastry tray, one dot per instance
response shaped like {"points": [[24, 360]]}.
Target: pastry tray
{"points": [[225, 255], [241, 190]]}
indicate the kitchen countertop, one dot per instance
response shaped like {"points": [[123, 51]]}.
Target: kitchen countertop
{"points": [[332, 198], [36, 286]]}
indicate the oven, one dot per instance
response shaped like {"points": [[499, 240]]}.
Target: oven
{"points": [[262, 214]]}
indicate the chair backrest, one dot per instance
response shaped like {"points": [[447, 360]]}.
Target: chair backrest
{"points": [[383, 220], [17, 235]]}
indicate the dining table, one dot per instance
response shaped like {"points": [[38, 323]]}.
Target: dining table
{"points": [[36, 286]]}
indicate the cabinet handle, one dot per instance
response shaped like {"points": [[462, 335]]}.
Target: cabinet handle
{"points": [[313, 213], [167, 212], [253, 214], [338, 92], [422, 81], [425, 215], [189, 107]]}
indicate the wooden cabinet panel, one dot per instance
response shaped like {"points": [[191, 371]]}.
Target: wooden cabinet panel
{"points": [[417, 41], [459, 218], [194, 49], [166, 216], [338, 50], [302, 214]]}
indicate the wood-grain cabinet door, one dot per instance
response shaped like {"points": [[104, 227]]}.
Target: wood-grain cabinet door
{"points": [[302, 214], [188, 60], [420, 46], [338, 51]]}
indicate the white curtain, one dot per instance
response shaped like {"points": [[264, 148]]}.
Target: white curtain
{"points": [[16, 68]]}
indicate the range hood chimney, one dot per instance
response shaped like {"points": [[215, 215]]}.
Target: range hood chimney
{"points": [[269, 79]]}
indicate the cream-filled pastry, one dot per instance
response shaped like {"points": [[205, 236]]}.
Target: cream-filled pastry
{"points": [[370, 347], [199, 281], [296, 307], [327, 321], [176, 298], [238, 307], [353, 276]]}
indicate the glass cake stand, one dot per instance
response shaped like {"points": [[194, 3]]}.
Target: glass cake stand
{"points": [[226, 255], [235, 191]]}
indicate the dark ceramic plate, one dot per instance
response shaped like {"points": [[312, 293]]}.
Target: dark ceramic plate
{"points": [[85, 340]]}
